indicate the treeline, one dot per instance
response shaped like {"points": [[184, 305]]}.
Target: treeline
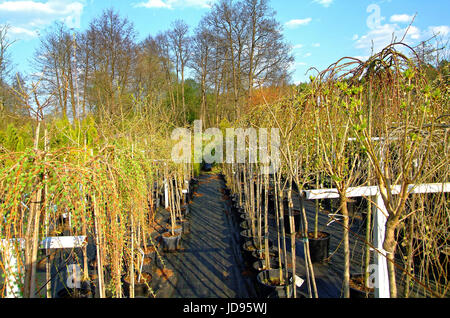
{"points": [[209, 73]]}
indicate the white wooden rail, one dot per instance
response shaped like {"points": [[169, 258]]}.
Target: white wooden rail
{"points": [[379, 224]]}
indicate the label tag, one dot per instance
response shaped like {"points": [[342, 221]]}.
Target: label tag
{"points": [[299, 281]]}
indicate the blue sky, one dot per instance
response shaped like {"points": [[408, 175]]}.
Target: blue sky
{"points": [[320, 31]]}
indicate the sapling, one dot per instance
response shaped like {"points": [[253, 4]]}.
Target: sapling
{"points": [[333, 138]]}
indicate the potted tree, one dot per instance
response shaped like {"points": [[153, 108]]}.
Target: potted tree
{"points": [[171, 238], [319, 241]]}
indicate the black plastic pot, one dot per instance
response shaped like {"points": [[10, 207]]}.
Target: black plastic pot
{"points": [[319, 248], [358, 293], [297, 220], [246, 236], [86, 290], [249, 247], [150, 253], [247, 250], [178, 228], [156, 201], [244, 225], [149, 267], [256, 247], [273, 254], [260, 265], [245, 217], [185, 210], [240, 211], [271, 204], [186, 227], [162, 200], [171, 243], [266, 289], [140, 289], [149, 263]]}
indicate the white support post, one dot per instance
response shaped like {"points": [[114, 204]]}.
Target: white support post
{"points": [[166, 194], [186, 192], [11, 270], [186, 186], [381, 276]]}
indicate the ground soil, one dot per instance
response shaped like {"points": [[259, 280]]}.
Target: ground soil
{"points": [[358, 283], [262, 256], [165, 273], [145, 278], [272, 282], [320, 235], [169, 227], [169, 234], [149, 249]]}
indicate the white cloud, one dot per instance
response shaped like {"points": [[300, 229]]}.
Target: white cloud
{"points": [[297, 22], [414, 33], [295, 65], [315, 45], [401, 18], [28, 16], [325, 3], [153, 4], [297, 46], [442, 30], [355, 37], [19, 31], [362, 58], [382, 36], [307, 55], [171, 4]]}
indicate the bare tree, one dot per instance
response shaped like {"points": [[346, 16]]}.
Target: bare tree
{"points": [[181, 46], [5, 44], [55, 64], [201, 47], [113, 56], [268, 55], [163, 47]]}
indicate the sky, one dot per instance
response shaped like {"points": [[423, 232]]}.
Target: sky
{"points": [[319, 31]]}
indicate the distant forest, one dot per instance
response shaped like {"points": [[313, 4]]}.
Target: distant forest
{"points": [[236, 51]]}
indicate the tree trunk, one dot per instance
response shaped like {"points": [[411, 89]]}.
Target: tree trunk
{"points": [[344, 211], [389, 246]]}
